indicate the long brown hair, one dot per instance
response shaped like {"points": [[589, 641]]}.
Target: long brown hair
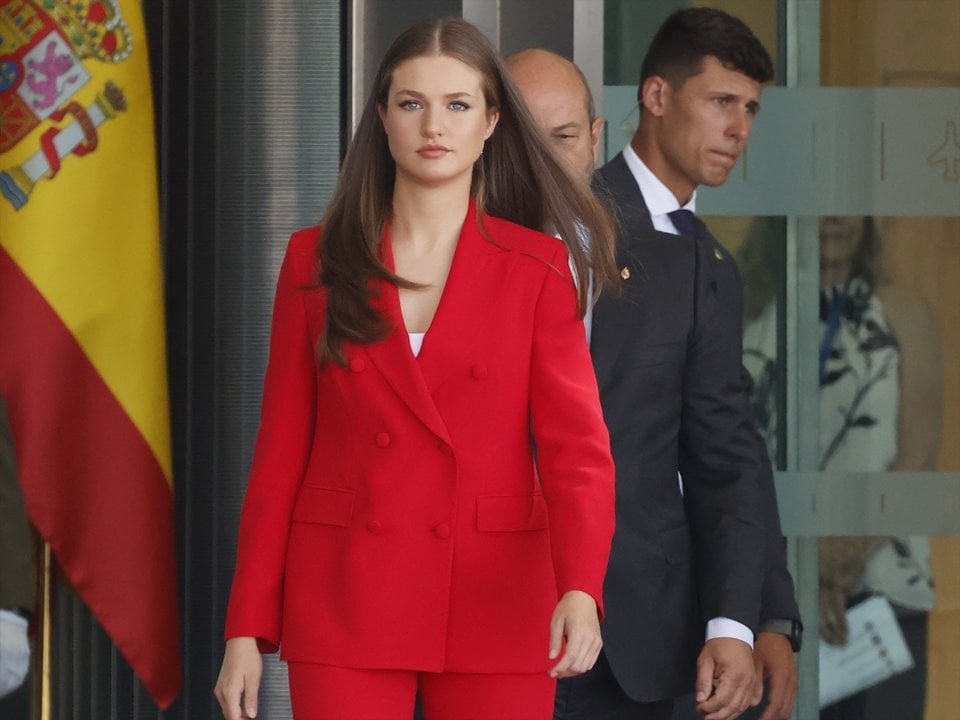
{"points": [[516, 178]]}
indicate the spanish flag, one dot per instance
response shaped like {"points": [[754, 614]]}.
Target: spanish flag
{"points": [[82, 354]]}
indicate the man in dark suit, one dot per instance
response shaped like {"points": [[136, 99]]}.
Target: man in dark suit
{"points": [[687, 564]]}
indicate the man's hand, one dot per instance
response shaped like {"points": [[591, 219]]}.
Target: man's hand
{"points": [[575, 621], [776, 666], [725, 679]]}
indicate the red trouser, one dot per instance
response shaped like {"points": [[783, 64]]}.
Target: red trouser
{"points": [[325, 692]]}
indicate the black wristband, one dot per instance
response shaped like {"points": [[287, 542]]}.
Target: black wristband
{"points": [[793, 629]]}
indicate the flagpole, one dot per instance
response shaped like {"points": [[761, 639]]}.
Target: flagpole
{"points": [[43, 690]]}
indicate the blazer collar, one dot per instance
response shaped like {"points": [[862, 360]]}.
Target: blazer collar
{"points": [[449, 341], [615, 181]]}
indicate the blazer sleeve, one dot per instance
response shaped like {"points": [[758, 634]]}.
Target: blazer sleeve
{"points": [[778, 599], [720, 460], [572, 444], [280, 456]]}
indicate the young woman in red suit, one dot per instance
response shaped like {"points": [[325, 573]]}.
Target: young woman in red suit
{"points": [[399, 530]]}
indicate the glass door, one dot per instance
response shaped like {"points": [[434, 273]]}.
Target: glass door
{"points": [[844, 216]]}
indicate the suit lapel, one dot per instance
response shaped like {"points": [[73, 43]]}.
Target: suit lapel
{"points": [[394, 358], [612, 322], [464, 305]]}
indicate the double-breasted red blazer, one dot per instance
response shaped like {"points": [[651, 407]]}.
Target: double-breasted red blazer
{"points": [[395, 515]]}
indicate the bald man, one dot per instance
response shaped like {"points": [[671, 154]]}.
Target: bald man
{"points": [[560, 101], [663, 578]]}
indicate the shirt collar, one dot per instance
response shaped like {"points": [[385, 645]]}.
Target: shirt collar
{"points": [[656, 195]]}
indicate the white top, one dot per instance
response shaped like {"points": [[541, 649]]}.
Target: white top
{"points": [[660, 201], [416, 342]]}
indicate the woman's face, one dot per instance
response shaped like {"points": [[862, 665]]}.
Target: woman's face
{"points": [[436, 120], [840, 239]]}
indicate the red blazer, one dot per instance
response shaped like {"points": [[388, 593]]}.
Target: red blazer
{"points": [[394, 517]]}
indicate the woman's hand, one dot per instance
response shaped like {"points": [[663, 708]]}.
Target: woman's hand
{"points": [[574, 621], [239, 679]]}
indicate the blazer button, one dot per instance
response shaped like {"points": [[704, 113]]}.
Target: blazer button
{"points": [[382, 439], [442, 531], [375, 526], [479, 372], [357, 364]]}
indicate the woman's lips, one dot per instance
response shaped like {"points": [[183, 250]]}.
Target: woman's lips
{"points": [[433, 151]]}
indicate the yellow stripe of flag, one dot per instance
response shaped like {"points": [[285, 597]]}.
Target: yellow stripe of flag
{"points": [[88, 236]]}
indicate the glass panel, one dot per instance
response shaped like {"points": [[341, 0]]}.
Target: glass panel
{"points": [[882, 408], [857, 382], [890, 151], [913, 45], [943, 668], [881, 326], [885, 316], [872, 43]]}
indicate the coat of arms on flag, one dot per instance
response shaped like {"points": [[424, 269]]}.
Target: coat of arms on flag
{"points": [[43, 47]]}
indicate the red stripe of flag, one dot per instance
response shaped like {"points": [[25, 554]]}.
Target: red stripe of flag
{"points": [[92, 485]]}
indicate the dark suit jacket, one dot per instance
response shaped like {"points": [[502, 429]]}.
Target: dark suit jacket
{"points": [[394, 517], [667, 354]]}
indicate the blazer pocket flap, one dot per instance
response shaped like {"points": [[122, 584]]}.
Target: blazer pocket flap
{"points": [[511, 513], [327, 506], [675, 543]]}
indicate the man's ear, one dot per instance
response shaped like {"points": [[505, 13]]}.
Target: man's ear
{"points": [[655, 94], [596, 132]]}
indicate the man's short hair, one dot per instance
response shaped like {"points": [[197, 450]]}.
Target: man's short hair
{"points": [[691, 34]]}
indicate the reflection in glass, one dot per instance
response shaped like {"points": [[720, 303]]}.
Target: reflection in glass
{"points": [[762, 261], [880, 409]]}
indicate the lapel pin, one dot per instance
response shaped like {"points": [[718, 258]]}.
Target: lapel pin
{"points": [[717, 254], [625, 273]]}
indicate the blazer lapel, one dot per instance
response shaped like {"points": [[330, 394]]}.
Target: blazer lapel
{"points": [[394, 358], [612, 324], [463, 309]]}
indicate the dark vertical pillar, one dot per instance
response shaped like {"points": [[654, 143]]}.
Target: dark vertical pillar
{"points": [[248, 108]]}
